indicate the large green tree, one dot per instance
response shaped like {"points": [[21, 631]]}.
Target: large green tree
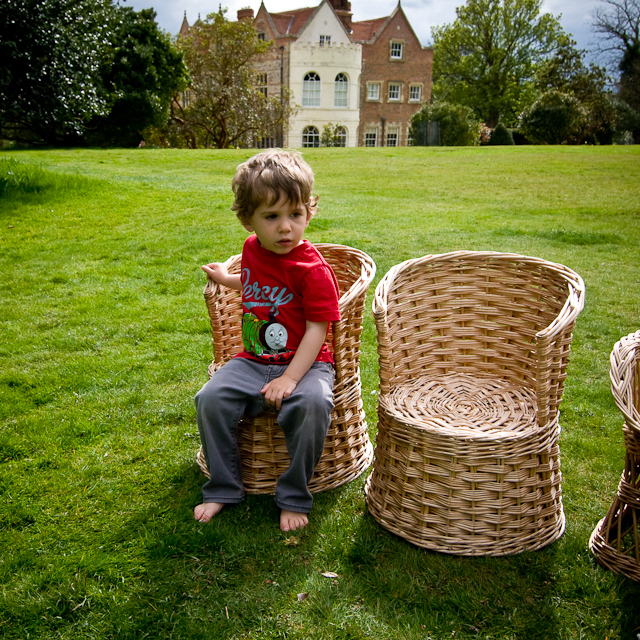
{"points": [[78, 71], [618, 25], [567, 73], [225, 108], [141, 72], [486, 58], [50, 53]]}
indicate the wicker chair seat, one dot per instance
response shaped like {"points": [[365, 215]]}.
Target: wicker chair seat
{"points": [[615, 541], [477, 408], [473, 350], [347, 452]]}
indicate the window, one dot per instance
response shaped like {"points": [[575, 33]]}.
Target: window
{"points": [[397, 50], [341, 137], [262, 36], [394, 92], [373, 91], [341, 96], [261, 83], [311, 90], [392, 137], [325, 40], [415, 93], [310, 137], [267, 142], [371, 138], [186, 99]]}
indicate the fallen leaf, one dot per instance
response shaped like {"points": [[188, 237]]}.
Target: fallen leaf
{"points": [[302, 596], [330, 574], [292, 541]]}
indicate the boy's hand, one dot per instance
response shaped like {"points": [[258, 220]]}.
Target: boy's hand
{"points": [[277, 390], [216, 271], [219, 273]]}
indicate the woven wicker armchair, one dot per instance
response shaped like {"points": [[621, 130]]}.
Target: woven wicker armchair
{"points": [[347, 450], [473, 350], [615, 541]]}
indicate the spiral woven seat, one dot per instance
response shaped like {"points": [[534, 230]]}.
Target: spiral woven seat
{"points": [[347, 451], [615, 541], [473, 349]]}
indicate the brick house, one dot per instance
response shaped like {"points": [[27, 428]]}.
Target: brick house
{"points": [[365, 78], [396, 78]]}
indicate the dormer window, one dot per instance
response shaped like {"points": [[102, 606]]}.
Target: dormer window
{"points": [[325, 41], [397, 50]]}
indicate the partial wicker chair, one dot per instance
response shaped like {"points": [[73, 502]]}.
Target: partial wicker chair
{"points": [[347, 450], [615, 541], [473, 350]]}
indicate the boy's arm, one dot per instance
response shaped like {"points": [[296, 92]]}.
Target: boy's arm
{"points": [[310, 345], [219, 273]]}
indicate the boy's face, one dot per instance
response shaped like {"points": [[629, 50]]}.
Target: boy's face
{"points": [[279, 226]]}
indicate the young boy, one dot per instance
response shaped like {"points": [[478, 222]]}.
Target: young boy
{"points": [[289, 296]]}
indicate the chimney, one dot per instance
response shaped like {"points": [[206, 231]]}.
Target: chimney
{"points": [[343, 11], [245, 14]]}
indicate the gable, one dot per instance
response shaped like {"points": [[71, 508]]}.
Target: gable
{"points": [[324, 21]]}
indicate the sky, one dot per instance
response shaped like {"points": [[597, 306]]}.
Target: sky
{"points": [[422, 14]]}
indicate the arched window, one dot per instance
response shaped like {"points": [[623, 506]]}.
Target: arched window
{"points": [[310, 137], [341, 137], [311, 90], [341, 95]]}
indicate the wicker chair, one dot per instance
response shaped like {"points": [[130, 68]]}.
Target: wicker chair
{"points": [[615, 541], [473, 349], [347, 450]]}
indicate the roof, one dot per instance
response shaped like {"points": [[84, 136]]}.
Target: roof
{"points": [[367, 29], [291, 22]]}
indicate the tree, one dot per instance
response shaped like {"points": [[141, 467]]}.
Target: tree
{"points": [[225, 109], [139, 76], [566, 72], [51, 52], [618, 24], [485, 59], [458, 127]]}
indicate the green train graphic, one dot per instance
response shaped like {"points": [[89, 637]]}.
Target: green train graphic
{"points": [[263, 336]]}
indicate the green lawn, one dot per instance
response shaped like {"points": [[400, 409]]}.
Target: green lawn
{"points": [[104, 340]]}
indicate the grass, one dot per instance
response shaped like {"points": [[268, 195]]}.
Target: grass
{"points": [[104, 341]]}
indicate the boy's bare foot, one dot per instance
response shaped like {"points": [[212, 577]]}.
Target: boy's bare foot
{"points": [[292, 520], [204, 512]]}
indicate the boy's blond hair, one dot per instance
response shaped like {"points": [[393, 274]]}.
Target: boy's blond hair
{"points": [[267, 177]]}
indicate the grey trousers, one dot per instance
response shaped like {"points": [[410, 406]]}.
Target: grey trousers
{"points": [[233, 391]]}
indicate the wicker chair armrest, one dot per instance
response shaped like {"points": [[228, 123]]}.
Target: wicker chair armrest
{"points": [[572, 307], [213, 293], [347, 331], [625, 378], [551, 343], [379, 308]]}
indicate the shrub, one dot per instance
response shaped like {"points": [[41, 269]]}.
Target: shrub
{"points": [[458, 127], [554, 118], [501, 135]]}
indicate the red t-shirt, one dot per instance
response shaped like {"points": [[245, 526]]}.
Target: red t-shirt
{"points": [[279, 294]]}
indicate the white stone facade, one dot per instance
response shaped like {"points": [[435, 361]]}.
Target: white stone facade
{"points": [[324, 50]]}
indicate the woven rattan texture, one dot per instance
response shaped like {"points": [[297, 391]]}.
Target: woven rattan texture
{"points": [[348, 450], [615, 541], [473, 350]]}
